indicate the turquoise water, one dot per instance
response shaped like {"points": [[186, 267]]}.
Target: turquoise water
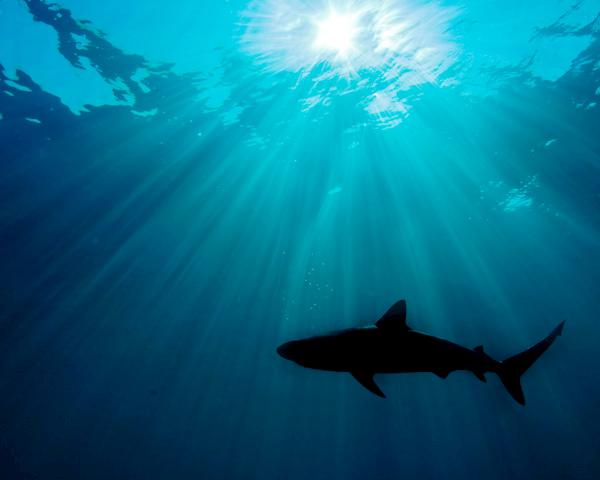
{"points": [[186, 185]]}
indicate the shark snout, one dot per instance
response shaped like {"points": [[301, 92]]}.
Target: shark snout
{"points": [[286, 350], [296, 351]]}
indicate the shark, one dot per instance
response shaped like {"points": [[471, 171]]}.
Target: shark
{"points": [[391, 346]]}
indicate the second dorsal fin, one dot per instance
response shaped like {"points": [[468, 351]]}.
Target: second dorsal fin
{"points": [[394, 318]]}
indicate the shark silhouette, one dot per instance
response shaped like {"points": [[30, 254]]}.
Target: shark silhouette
{"points": [[391, 346]]}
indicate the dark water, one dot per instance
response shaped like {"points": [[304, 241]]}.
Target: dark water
{"points": [[164, 227]]}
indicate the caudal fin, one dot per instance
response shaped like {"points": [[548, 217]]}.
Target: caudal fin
{"points": [[512, 368]]}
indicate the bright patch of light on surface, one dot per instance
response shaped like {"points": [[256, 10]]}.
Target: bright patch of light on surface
{"points": [[336, 33], [389, 110], [403, 39], [383, 47]]}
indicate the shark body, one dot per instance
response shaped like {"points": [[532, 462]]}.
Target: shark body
{"points": [[391, 346]]}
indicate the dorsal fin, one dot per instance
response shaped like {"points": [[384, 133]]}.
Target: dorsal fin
{"points": [[479, 349], [395, 317]]}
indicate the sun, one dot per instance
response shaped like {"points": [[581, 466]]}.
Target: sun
{"points": [[336, 33]]}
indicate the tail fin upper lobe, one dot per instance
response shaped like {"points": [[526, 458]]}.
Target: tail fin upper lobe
{"points": [[512, 368]]}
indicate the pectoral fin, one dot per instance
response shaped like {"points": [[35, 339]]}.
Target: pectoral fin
{"points": [[366, 380]]}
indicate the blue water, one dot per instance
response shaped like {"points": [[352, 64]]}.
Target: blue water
{"points": [[186, 185]]}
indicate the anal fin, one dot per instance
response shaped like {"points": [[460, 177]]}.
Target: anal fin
{"points": [[367, 381]]}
